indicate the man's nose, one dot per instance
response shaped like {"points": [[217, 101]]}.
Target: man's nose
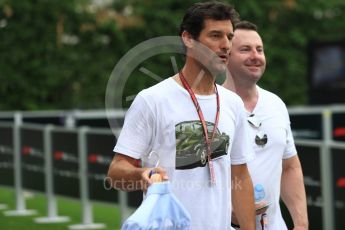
{"points": [[226, 44], [254, 54]]}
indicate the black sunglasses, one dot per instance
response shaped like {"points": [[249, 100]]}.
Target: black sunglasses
{"points": [[260, 138]]}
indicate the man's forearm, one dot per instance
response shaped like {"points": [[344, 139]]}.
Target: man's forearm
{"points": [[293, 192], [123, 174], [242, 197]]}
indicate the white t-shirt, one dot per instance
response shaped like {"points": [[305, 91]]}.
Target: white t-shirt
{"points": [[266, 169], [163, 120]]}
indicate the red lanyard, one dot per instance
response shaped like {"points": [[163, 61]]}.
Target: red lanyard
{"points": [[203, 122]]}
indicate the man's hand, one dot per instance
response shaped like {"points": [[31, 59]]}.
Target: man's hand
{"points": [[126, 174], [152, 175], [260, 208]]}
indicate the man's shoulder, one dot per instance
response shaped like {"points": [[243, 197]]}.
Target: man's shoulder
{"points": [[270, 97], [158, 90]]}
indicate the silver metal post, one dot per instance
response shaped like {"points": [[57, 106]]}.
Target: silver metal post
{"points": [[49, 183], [326, 172], [124, 210], [87, 216], [18, 183]]}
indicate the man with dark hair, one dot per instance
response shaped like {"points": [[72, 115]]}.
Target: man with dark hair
{"points": [[276, 169], [195, 128]]}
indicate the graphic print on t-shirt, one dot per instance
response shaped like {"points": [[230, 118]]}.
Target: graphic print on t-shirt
{"points": [[191, 149]]}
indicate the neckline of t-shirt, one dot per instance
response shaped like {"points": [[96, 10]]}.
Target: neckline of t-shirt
{"points": [[201, 97]]}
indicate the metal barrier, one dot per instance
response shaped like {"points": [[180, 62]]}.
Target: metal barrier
{"points": [[68, 118], [324, 140], [60, 161], [327, 202]]}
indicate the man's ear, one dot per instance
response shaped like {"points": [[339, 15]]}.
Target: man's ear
{"points": [[187, 39]]}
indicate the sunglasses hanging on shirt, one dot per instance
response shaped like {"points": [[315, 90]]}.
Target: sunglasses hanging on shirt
{"points": [[260, 138]]}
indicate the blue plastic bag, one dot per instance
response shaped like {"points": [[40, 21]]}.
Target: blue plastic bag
{"points": [[159, 211]]}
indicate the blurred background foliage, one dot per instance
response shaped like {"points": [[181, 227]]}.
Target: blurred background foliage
{"points": [[59, 54]]}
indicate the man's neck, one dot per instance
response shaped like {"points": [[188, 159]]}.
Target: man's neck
{"points": [[200, 81], [247, 92], [249, 96], [229, 82]]}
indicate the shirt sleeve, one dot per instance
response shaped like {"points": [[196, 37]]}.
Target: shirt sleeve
{"points": [[290, 149], [242, 151], [137, 130]]}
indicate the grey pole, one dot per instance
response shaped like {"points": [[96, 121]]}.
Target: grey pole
{"points": [[49, 182], [326, 172], [87, 216], [20, 201], [124, 210], [3, 206]]}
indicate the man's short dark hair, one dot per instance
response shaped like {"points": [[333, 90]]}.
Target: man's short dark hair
{"points": [[246, 25], [193, 21]]}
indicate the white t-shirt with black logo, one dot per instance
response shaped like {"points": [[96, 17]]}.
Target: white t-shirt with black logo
{"points": [[163, 121]]}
